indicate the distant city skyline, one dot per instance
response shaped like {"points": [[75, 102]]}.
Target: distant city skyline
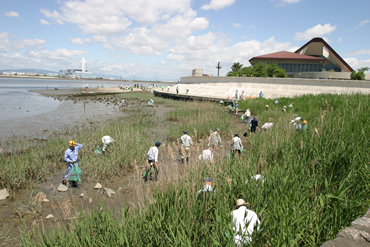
{"points": [[165, 39]]}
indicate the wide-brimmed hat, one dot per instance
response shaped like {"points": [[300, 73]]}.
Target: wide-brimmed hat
{"points": [[241, 202]]}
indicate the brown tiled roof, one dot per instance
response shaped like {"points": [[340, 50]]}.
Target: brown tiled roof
{"points": [[285, 55], [327, 46]]}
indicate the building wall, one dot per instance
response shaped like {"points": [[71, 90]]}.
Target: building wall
{"points": [[323, 74], [272, 81]]}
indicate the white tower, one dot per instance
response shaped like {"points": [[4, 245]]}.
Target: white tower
{"points": [[83, 64]]}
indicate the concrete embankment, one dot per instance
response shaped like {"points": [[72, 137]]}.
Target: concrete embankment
{"points": [[225, 87]]}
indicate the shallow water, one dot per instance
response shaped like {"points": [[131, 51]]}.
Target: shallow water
{"points": [[24, 113]]}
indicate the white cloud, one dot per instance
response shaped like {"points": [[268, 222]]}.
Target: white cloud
{"points": [[99, 18], [339, 39], [44, 22], [79, 41], [238, 25], [315, 31], [357, 64], [100, 38], [8, 44], [360, 52], [53, 15], [140, 42], [282, 3], [12, 14], [206, 50], [362, 23], [217, 4], [56, 55]]}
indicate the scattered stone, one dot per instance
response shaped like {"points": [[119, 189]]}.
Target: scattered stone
{"points": [[4, 194], [98, 186], [82, 195], [90, 201], [62, 188], [45, 200], [50, 216], [109, 192]]}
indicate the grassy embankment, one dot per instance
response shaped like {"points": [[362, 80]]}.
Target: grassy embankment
{"points": [[133, 135], [317, 182]]}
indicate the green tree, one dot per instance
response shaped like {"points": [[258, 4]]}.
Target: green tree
{"points": [[236, 67], [271, 67], [360, 74], [260, 70], [279, 72], [247, 71]]}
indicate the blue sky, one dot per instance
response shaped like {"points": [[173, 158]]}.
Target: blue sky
{"points": [[165, 40]]}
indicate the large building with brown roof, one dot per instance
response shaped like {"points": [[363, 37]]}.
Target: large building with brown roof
{"points": [[316, 59]]}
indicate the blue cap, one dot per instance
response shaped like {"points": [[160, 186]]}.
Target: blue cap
{"points": [[185, 131], [157, 144], [254, 117]]}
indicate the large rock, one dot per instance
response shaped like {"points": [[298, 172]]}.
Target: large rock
{"points": [[62, 188], [354, 234], [109, 192], [4, 194]]}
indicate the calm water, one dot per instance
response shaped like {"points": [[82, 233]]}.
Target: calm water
{"points": [[23, 113]]}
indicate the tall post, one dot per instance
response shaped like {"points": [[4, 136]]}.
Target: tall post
{"points": [[218, 68]]}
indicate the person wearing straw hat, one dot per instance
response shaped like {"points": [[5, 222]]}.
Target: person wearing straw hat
{"points": [[215, 139], [71, 157], [244, 222]]}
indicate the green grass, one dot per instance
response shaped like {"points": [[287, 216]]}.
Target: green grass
{"points": [[317, 182]]}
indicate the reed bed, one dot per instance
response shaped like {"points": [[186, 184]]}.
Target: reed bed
{"points": [[317, 182]]}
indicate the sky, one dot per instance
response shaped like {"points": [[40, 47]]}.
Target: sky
{"points": [[166, 39]]}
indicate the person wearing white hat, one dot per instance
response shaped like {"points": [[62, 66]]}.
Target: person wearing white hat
{"points": [[294, 124], [244, 222]]}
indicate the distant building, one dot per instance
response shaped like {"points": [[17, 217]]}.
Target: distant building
{"points": [[316, 59], [197, 72], [77, 73]]}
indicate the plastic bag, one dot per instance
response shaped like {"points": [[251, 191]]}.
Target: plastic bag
{"points": [[75, 174], [242, 118], [249, 126], [98, 150]]}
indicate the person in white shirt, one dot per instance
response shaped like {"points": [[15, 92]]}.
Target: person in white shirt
{"points": [[185, 142], [266, 126], [294, 125], [207, 155], [236, 145], [207, 190], [106, 141], [247, 115], [215, 139], [152, 161], [244, 222]]}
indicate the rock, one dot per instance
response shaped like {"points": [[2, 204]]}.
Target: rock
{"points": [[90, 200], [50, 216], [98, 186], [363, 221], [109, 192], [82, 195], [354, 234], [45, 200], [4, 194], [62, 188]]}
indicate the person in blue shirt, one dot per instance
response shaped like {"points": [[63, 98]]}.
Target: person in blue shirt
{"points": [[261, 94], [71, 157]]}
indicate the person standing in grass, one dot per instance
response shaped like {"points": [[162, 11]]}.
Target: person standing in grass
{"points": [[247, 115], [236, 106], [254, 124], [71, 157], [207, 190], [215, 139], [106, 141], [284, 109], [185, 142], [207, 155], [152, 161], [244, 223], [236, 145], [261, 95]]}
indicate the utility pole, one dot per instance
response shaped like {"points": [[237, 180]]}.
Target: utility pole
{"points": [[218, 68]]}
